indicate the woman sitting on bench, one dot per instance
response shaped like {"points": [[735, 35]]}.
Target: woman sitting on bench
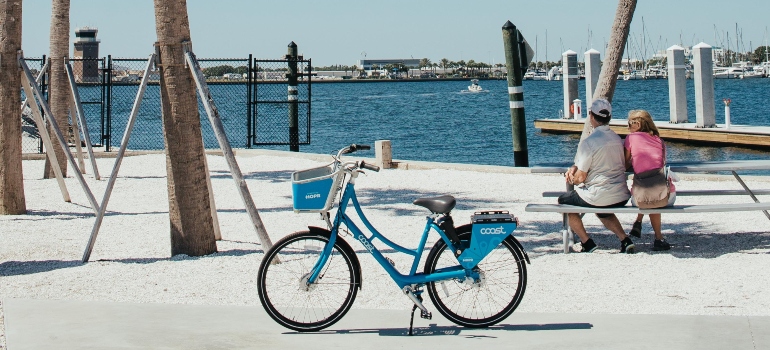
{"points": [[646, 151]]}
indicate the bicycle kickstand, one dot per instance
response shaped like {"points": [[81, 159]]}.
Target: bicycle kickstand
{"points": [[411, 320]]}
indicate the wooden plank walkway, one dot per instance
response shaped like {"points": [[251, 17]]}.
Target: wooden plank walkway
{"points": [[741, 135]]}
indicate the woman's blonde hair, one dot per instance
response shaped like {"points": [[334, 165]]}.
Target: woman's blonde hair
{"points": [[645, 121]]}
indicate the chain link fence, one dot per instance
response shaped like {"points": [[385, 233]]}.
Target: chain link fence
{"points": [[270, 104], [250, 95], [30, 139]]}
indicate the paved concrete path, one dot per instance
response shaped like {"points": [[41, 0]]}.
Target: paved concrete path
{"points": [[59, 324]]}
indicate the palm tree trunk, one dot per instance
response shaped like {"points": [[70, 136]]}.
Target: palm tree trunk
{"points": [[192, 228], [12, 199], [58, 96], [608, 77], [609, 74]]}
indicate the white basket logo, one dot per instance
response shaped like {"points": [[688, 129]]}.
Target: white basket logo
{"points": [[492, 231], [312, 195]]}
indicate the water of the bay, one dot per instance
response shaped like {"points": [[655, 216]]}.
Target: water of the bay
{"points": [[438, 121]]}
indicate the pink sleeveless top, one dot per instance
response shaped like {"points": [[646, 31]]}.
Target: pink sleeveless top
{"points": [[646, 152]]}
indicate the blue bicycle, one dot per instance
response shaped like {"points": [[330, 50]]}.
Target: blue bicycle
{"points": [[475, 274]]}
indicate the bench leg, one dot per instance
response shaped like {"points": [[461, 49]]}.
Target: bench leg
{"points": [[566, 233], [751, 194]]}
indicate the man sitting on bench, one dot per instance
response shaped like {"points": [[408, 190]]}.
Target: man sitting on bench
{"points": [[600, 167]]}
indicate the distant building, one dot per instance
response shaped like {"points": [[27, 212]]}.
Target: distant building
{"points": [[86, 55], [366, 64]]}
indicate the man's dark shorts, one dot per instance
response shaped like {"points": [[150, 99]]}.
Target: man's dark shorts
{"points": [[572, 198]]}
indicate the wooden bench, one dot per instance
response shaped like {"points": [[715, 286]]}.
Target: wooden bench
{"points": [[698, 167]]}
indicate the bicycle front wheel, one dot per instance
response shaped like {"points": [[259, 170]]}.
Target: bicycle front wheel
{"points": [[287, 296], [483, 302]]}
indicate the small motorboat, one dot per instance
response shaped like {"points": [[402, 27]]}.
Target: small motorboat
{"points": [[475, 87]]}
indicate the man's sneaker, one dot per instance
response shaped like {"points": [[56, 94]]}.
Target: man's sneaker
{"points": [[588, 247], [627, 246], [660, 244], [636, 230]]}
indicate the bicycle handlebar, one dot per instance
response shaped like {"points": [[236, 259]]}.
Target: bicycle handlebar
{"points": [[353, 148], [368, 166]]}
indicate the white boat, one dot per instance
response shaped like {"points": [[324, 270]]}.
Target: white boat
{"points": [[475, 87], [633, 75], [736, 71], [535, 74], [554, 73], [529, 75], [655, 72]]}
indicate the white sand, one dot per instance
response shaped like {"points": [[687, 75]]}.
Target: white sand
{"points": [[717, 267]]}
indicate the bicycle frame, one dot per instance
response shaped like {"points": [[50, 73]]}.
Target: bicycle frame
{"points": [[349, 196]]}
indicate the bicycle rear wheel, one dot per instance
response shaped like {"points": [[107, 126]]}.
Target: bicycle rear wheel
{"points": [[478, 303], [283, 288]]}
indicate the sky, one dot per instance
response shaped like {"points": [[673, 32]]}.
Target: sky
{"points": [[343, 31]]}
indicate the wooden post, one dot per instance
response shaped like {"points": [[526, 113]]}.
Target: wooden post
{"points": [[34, 107], [55, 126], [118, 160], [227, 151], [76, 134], [82, 119], [511, 42], [383, 154]]}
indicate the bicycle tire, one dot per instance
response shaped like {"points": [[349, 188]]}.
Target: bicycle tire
{"points": [[479, 305], [292, 303]]}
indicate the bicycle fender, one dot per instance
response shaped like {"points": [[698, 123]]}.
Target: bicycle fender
{"points": [[467, 228], [344, 245]]}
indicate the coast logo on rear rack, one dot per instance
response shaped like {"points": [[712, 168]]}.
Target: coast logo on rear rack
{"points": [[312, 195], [492, 231]]}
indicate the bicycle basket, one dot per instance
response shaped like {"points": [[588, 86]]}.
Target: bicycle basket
{"points": [[313, 190]]}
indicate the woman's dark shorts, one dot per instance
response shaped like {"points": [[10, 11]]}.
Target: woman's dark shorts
{"points": [[572, 198]]}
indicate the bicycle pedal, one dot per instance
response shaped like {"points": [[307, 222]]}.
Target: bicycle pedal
{"points": [[426, 315]]}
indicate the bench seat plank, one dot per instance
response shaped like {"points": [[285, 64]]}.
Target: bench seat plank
{"points": [[688, 193], [705, 208]]}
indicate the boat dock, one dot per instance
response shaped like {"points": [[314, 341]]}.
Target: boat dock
{"points": [[736, 135]]}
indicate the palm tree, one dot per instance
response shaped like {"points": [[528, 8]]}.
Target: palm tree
{"points": [[424, 62], [12, 200], [192, 228], [444, 64], [58, 96], [605, 87]]}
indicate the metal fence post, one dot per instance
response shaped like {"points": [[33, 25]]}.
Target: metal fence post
{"points": [[291, 56], [107, 129], [249, 80]]}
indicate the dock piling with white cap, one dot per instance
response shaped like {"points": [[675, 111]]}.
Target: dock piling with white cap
{"points": [[570, 77], [703, 65], [593, 68], [677, 84]]}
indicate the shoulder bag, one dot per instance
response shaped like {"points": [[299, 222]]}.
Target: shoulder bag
{"points": [[651, 188]]}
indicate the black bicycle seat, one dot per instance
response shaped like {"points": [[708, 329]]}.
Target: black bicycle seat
{"points": [[440, 205]]}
